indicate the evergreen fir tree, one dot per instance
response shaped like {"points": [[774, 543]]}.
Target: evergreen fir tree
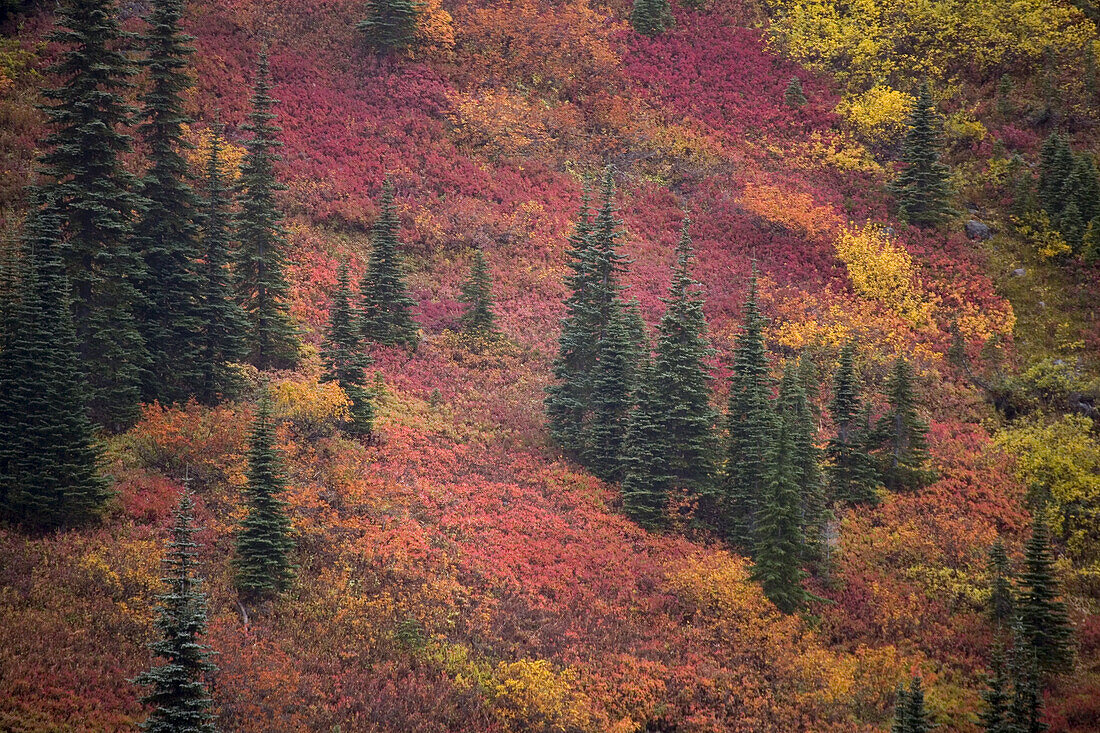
{"points": [[179, 689], [794, 411], [922, 188], [777, 533], [567, 398], [751, 426], [1026, 710], [1055, 166], [49, 461], [794, 96], [916, 717], [477, 295], [995, 715], [261, 281], [1044, 623], [851, 475], [1071, 226], [900, 434], [167, 232], [611, 399], [390, 25], [90, 190], [651, 17], [343, 356], [1000, 585], [264, 543], [221, 319], [647, 480], [386, 304], [901, 710], [1083, 187]]}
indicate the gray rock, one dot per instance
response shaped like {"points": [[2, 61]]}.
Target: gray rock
{"points": [[1018, 272], [977, 230]]}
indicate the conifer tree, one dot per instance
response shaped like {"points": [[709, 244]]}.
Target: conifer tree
{"points": [[751, 426], [49, 461], [995, 715], [794, 412], [794, 96], [567, 398], [901, 710], [167, 233], [222, 321], [262, 289], [611, 398], [91, 191], [851, 474], [647, 480], [264, 543], [777, 532], [916, 717], [390, 25], [342, 354], [1055, 165], [477, 295], [1044, 623], [386, 305], [1000, 586], [1083, 187], [651, 17], [1026, 709], [922, 187], [179, 688], [900, 434]]}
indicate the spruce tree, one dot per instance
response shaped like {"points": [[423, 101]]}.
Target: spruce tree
{"points": [[1000, 585], [262, 289], [852, 476], [922, 187], [682, 382], [1055, 166], [1026, 710], [751, 426], [221, 320], [647, 480], [264, 543], [167, 233], [916, 717], [611, 399], [477, 295], [49, 460], [179, 688], [567, 398], [900, 434], [794, 411], [390, 25], [1044, 622], [794, 96], [342, 354], [995, 715], [777, 533], [386, 304], [901, 710], [90, 190], [1083, 187], [651, 17]]}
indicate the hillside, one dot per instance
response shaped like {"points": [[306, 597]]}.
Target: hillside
{"points": [[457, 572]]}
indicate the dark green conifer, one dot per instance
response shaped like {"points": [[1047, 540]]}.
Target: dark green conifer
{"points": [[794, 96], [1044, 623], [167, 233], [342, 354], [922, 187], [390, 25], [221, 320], [651, 17], [901, 710], [386, 305], [272, 339], [264, 543], [900, 434], [611, 399], [179, 686], [1055, 165], [477, 295], [93, 194], [851, 474], [916, 717], [1000, 585], [647, 480], [49, 461], [1083, 187], [751, 426], [794, 412], [995, 715], [1026, 709], [778, 542], [567, 398]]}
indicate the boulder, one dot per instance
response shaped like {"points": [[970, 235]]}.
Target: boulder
{"points": [[977, 230], [1018, 272]]}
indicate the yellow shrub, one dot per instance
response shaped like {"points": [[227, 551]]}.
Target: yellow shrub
{"points": [[878, 115], [1041, 234], [199, 155], [881, 271], [314, 408], [531, 695]]}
